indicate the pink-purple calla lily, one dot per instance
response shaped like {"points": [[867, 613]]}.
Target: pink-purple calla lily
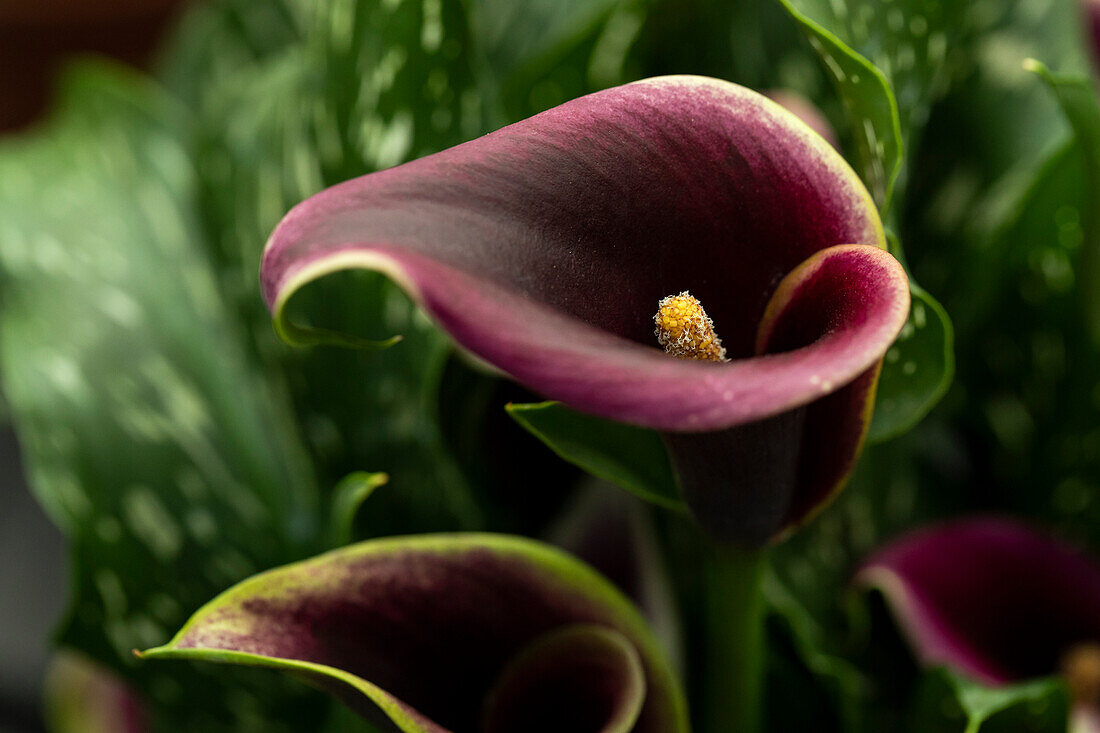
{"points": [[544, 248], [992, 599], [449, 633]]}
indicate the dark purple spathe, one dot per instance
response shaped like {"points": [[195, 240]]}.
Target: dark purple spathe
{"points": [[448, 634], [544, 248], [991, 598], [588, 214]]}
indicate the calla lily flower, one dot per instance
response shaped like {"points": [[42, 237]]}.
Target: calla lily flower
{"points": [[438, 633], [545, 247], [997, 602]]}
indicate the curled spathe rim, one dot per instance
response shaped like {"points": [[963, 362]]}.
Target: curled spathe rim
{"points": [[543, 249]]}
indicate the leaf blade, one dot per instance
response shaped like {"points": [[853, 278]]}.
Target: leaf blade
{"points": [[630, 457]]}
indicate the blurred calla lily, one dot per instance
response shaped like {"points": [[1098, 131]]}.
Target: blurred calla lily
{"points": [[805, 110], [544, 249], [83, 696], [440, 633], [1092, 23], [997, 602]]}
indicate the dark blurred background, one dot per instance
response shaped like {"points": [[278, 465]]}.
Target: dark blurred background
{"points": [[32, 593], [36, 38]]}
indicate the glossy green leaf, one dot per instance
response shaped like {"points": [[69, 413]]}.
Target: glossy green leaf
{"points": [[888, 62], [866, 94], [1016, 121], [1030, 365], [147, 432], [437, 632], [630, 457], [989, 137], [917, 370]]}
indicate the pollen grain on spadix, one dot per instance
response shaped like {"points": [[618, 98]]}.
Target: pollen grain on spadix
{"points": [[685, 330]]}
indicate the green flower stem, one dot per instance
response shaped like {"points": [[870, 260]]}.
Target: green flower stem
{"points": [[734, 607]]}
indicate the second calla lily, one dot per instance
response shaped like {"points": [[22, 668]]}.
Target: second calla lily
{"points": [[545, 247], [998, 602], [449, 634]]}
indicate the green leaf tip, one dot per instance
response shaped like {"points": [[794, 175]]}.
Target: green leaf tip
{"points": [[348, 498], [1035, 66]]}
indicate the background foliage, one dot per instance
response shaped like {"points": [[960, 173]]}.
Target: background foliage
{"points": [[181, 447]]}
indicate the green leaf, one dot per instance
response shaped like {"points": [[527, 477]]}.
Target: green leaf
{"points": [[630, 457], [991, 135], [808, 638], [453, 627], [346, 501], [1039, 701], [148, 434], [865, 92], [888, 62], [1078, 98], [917, 370]]}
